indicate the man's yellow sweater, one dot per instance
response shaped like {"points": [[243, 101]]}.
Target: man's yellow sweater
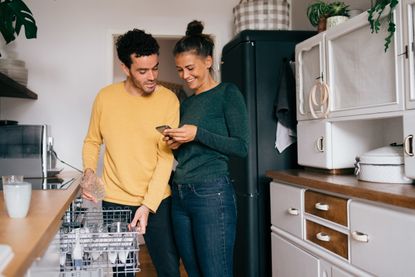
{"points": [[137, 162]]}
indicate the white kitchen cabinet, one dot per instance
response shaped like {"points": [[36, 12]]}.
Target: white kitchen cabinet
{"points": [[409, 136], [365, 83], [383, 241], [310, 68], [289, 260], [362, 77], [298, 256], [314, 143], [337, 272], [408, 8], [287, 208], [333, 145], [329, 270]]}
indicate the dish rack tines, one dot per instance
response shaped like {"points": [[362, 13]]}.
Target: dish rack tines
{"points": [[97, 241]]}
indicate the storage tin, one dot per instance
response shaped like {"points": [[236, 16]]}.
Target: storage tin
{"points": [[382, 165]]}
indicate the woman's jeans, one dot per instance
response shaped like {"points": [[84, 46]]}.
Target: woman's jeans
{"points": [[204, 224], [158, 237]]}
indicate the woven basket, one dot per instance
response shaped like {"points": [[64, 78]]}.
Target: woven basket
{"points": [[261, 15]]}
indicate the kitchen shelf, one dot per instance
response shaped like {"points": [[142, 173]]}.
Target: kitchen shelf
{"points": [[11, 88]]}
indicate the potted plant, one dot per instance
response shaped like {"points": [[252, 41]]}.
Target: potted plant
{"points": [[380, 13], [13, 15], [338, 13], [317, 13]]}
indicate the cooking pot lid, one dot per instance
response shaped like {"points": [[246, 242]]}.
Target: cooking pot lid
{"points": [[383, 155]]}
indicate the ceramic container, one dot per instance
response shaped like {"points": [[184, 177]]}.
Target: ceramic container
{"points": [[382, 165], [335, 20]]}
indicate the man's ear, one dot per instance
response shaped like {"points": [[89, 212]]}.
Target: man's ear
{"points": [[125, 69]]}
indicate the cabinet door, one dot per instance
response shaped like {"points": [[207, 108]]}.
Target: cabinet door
{"points": [[310, 67], [287, 208], [314, 143], [409, 35], [337, 272], [289, 260], [409, 133], [382, 240], [362, 77]]}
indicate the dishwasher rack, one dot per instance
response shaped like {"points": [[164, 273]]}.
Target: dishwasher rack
{"points": [[95, 243]]}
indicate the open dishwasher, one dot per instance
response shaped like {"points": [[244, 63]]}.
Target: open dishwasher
{"points": [[91, 242]]}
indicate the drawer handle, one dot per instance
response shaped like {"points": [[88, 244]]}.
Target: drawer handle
{"points": [[320, 144], [361, 237], [323, 236], [408, 146], [321, 206], [293, 211]]}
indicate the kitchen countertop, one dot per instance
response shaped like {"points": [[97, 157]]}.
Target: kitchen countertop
{"points": [[401, 195], [29, 237]]}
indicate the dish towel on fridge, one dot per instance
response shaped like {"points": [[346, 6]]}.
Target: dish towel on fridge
{"points": [[284, 108]]}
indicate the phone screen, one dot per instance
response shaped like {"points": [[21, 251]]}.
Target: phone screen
{"points": [[162, 128]]}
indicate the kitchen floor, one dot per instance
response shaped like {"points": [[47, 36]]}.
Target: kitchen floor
{"points": [[147, 268]]}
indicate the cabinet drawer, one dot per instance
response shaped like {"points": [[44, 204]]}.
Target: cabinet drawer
{"points": [[328, 238], [286, 208], [326, 206]]}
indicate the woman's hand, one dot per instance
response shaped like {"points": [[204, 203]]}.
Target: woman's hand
{"points": [[171, 143], [186, 133]]}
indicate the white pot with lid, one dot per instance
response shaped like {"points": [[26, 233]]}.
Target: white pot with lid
{"points": [[382, 165]]}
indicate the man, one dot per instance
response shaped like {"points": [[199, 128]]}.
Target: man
{"points": [[137, 162]]}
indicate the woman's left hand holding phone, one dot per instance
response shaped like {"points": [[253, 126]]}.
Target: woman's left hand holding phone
{"points": [[178, 136]]}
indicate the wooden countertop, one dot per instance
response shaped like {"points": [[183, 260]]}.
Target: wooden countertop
{"points": [[29, 237], [401, 195]]}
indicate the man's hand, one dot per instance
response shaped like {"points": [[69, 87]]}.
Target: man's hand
{"points": [[88, 180], [140, 217]]}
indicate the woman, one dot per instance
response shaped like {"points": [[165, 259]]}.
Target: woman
{"points": [[214, 124]]}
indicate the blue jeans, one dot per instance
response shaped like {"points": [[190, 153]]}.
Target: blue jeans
{"points": [[159, 238], [204, 224]]}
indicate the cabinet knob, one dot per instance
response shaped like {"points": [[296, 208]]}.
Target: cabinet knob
{"points": [[359, 236], [323, 236], [321, 206], [293, 211]]}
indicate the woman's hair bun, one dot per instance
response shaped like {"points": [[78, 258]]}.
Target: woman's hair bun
{"points": [[194, 28]]}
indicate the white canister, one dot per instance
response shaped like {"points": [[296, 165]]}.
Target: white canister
{"points": [[382, 165], [335, 20]]}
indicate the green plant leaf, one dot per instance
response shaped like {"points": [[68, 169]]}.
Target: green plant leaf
{"points": [[6, 22], [23, 17], [375, 20], [317, 10]]}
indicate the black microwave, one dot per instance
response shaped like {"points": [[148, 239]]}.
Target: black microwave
{"points": [[23, 150]]}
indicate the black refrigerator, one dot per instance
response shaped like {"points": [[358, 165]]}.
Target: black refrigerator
{"points": [[253, 61]]}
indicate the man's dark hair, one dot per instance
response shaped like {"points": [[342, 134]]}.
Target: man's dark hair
{"points": [[135, 42]]}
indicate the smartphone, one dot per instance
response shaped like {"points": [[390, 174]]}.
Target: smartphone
{"points": [[162, 128]]}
